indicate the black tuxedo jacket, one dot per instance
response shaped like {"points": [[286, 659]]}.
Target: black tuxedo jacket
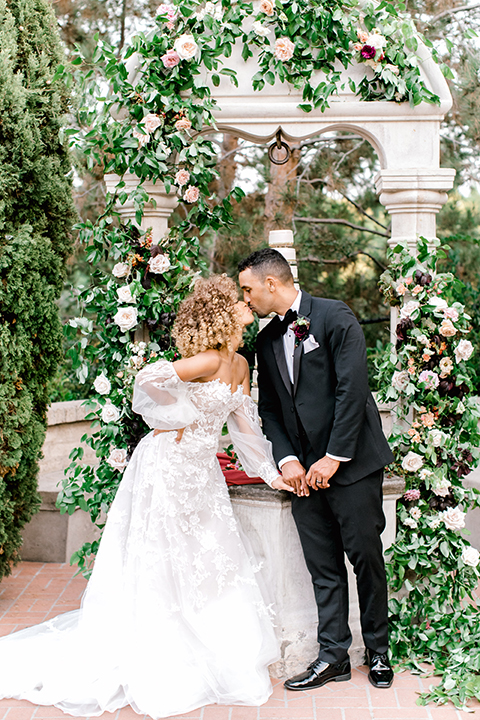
{"points": [[330, 395]]}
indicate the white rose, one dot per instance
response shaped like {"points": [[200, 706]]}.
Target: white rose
{"points": [[125, 294], [118, 459], [441, 487], [412, 462], [260, 29], [376, 40], [121, 269], [436, 437], [126, 318], [110, 413], [186, 47], [159, 264], [409, 308], [453, 518], [470, 556], [410, 522], [102, 384], [438, 302], [463, 350], [400, 379]]}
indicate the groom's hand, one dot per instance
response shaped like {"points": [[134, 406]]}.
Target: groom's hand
{"points": [[293, 473], [321, 472]]}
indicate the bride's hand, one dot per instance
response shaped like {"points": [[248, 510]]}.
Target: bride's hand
{"points": [[179, 433], [280, 484]]}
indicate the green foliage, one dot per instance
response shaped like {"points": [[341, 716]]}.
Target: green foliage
{"points": [[36, 212], [428, 378]]}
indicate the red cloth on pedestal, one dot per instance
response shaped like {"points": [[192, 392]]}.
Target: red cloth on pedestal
{"points": [[235, 477]]}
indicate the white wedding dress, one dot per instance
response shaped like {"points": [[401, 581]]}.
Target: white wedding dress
{"points": [[172, 617]]}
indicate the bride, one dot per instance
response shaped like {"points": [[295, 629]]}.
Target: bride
{"points": [[172, 617]]}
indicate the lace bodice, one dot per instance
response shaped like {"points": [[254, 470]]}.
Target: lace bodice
{"points": [[168, 403]]}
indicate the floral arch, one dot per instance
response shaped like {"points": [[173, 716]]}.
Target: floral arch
{"points": [[304, 67]]}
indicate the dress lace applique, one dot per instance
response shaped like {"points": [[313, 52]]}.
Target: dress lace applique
{"points": [[172, 593]]}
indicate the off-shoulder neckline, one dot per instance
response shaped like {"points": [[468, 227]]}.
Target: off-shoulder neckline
{"points": [[207, 382]]}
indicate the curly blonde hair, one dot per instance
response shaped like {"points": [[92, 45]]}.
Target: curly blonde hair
{"points": [[207, 319]]}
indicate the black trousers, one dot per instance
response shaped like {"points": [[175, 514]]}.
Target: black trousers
{"points": [[345, 519]]}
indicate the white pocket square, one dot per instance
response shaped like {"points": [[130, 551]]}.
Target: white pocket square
{"points": [[310, 344]]}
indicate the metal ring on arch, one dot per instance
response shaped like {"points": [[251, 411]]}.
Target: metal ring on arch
{"points": [[279, 145]]}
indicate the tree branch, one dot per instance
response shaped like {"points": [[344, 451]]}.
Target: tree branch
{"points": [[451, 11], [355, 204], [340, 221], [342, 261]]}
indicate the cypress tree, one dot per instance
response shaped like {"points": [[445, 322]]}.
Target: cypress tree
{"points": [[36, 216]]}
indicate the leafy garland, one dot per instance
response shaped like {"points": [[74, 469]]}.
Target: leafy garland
{"points": [[150, 126], [433, 570]]}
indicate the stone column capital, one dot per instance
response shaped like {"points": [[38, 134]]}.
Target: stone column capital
{"points": [[156, 212], [413, 197]]}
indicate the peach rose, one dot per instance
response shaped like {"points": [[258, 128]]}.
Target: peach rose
{"points": [[447, 329], [151, 122], [266, 6], [186, 47], [142, 137], [284, 49], [183, 124], [182, 177], [192, 194]]}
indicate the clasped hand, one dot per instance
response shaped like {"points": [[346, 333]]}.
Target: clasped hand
{"points": [[316, 478]]}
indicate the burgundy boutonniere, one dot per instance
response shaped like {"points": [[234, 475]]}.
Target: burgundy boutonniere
{"points": [[300, 328]]}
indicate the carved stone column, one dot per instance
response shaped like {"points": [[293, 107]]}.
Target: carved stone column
{"points": [[156, 213], [413, 198]]}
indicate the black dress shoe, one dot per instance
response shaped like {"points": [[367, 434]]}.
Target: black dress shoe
{"points": [[381, 673], [318, 673]]}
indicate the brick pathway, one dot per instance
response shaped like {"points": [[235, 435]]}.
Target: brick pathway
{"points": [[38, 591]]}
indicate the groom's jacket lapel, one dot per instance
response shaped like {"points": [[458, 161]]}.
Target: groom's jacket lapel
{"points": [[279, 352], [304, 311]]}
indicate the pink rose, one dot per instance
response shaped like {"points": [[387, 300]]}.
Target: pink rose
{"points": [[450, 313], [170, 59], [182, 177], [183, 124], [192, 194], [429, 378], [168, 10], [284, 49]]}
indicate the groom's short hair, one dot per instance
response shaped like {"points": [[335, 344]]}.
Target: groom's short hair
{"points": [[267, 262]]}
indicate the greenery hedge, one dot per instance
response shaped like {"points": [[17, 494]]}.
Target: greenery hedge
{"points": [[36, 216]]}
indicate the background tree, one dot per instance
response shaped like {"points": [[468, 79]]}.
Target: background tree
{"points": [[36, 214]]}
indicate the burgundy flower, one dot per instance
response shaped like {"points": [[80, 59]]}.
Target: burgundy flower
{"points": [[422, 278], [402, 328], [368, 52]]}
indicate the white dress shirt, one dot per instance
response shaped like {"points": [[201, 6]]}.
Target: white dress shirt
{"points": [[289, 349]]}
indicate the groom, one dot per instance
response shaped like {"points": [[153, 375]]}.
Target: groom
{"points": [[320, 416]]}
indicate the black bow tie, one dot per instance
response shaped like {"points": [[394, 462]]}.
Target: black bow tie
{"points": [[282, 325]]}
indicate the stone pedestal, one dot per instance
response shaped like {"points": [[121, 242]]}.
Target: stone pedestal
{"points": [[50, 536], [265, 518]]}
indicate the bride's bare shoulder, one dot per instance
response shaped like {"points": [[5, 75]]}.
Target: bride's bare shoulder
{"points": [[198, 366]]}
